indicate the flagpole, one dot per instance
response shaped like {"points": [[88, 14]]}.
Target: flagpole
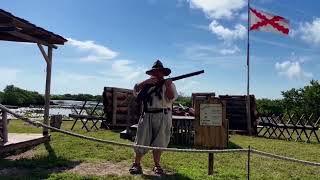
{"points": [[248, 74]]}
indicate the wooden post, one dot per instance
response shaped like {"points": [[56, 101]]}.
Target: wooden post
{"points": [[210, 164], [47, 93], [114, 106], [248, 75], [5, 126], [248, 164]]}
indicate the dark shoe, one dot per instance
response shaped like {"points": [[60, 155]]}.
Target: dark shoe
{"points": [[158, 170], [136, 169]]}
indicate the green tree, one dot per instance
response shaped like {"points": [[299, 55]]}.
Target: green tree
{"points": [[305, 100], [1, 96], [268, 107], [19, 97]]}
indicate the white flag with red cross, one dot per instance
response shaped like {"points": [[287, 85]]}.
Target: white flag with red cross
{"points": [[263, 21]]}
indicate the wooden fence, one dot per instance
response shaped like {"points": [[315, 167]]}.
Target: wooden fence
{"points": [[289, 127], [3, 127]]}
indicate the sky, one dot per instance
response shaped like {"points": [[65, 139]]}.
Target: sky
{"points": [[113, 43]]}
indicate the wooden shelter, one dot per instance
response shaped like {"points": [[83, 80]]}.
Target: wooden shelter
{"points": [[16, 29]]}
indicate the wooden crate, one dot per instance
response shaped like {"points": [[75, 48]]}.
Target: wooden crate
{"points": [[236, 107], [120, 107]]}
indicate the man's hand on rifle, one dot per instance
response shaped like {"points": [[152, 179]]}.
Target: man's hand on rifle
{"points": [[140, 86], [152, 81]]}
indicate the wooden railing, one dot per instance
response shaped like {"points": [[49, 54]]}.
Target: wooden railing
{"points": [[289, 127], [3, 127]]}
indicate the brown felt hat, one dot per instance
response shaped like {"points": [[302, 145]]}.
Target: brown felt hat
{"points": [[158, 66]]}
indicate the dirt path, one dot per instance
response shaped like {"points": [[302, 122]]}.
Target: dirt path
{"points": [[97, 169]]}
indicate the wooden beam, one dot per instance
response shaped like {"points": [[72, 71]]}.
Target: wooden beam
{"points": [[31, 38], [45, 56], [47, 93], [24, 144], [5, 20]]}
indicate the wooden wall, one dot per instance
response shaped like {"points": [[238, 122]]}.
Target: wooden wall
{"points": [[120, 107], [237, 113]]}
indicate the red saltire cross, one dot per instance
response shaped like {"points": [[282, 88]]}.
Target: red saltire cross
{"points": [[274, 22]]}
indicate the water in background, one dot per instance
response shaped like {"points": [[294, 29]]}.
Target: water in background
{"points": [[60, 107]]}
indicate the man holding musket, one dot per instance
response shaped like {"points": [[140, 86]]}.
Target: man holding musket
{"points": [[154, 127]]}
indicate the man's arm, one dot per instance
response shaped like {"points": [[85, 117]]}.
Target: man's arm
{"points": [[170, 92]]}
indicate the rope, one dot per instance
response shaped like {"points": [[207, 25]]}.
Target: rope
{"points": [[285, 158], [39, 124]]}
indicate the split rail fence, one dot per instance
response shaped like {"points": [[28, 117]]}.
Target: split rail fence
{"points": [[290, 127]]}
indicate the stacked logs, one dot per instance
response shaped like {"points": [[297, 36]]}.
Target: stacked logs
{"points": [[1, 127], [120, 107]]}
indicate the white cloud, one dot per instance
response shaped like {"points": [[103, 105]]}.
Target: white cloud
{"points": [[310, 31], [216, 9], [239, 31], [207, 51], [292, 70], [126, 69], [219, 9], [187, 86], [120, 73], [96, 52], [228, 51]]}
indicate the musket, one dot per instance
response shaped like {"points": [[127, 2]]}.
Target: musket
{"points": [[143, 93]]}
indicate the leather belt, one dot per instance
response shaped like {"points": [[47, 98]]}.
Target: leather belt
{"points": [[157, 110]]}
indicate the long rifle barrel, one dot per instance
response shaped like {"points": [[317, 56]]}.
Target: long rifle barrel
{"points": [[187, 75]]}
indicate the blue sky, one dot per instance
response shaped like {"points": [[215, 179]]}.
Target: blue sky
{"points": [[112, 43]]}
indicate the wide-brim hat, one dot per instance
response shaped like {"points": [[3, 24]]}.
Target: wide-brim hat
{"points": [[158, 66]]}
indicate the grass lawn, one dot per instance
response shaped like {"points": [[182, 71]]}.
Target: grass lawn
{"points": [[58, 159]]}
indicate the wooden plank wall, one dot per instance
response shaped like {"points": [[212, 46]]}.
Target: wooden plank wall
{"points": [[120, 107], [237, 114]]}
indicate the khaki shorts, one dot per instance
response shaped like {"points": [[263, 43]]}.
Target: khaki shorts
{"points": [[154, 129]]}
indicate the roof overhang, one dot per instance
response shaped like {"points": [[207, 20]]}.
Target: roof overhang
{"points": [[16, 29]]}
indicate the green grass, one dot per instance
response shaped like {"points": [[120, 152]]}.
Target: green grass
{"points": [[65, 152]]}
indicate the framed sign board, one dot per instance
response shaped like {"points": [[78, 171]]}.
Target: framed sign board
{"points": [[211, 125], [211, 114]]}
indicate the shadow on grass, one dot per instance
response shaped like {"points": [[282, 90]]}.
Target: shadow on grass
{"points": [[232, 145], [36, 167], [168, 176]]}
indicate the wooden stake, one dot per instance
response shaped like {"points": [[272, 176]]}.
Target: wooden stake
{"points": [[210, 164], [5, 126], [248, 165]]}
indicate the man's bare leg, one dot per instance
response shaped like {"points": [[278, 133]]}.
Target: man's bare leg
{"points": [[156, 157], [138, 158], [136, 166]]}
